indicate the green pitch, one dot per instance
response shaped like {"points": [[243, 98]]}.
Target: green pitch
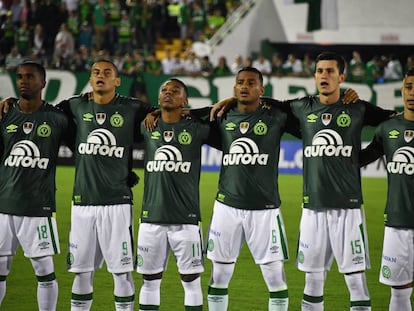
{"points": [[247, 290]]}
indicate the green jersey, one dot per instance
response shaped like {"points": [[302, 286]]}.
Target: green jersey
{"points": [[30, 145], [104, 138], [172, 172], [395, 139], [331, 137], [251, 147]]}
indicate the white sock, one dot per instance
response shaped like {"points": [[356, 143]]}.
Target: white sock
{"points": [[47, 294], [218, 299], [193, 295], [2, 291], [149, 294], [124, 291], [400, 299]]}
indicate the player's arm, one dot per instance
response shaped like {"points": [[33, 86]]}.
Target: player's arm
{"points": [[221, 107], [374, 115], [5, 104], [214, 137], [372, 152], [69, 136]]}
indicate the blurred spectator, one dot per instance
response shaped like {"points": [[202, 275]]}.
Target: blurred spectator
{"points": [[237, 64], [374, 71], [201, 46], [128, 66], [77, 63], [140, 16], [192, 65], [153, 64], [74, 25], [356, 68], [16, 9], [393, 69], [13, 59], [293, 66], [183, 20], [177, 65], [222, 69], [99, 17], [125, 33], [277, 65], [171, 23], [207, 67], [198, 20], [119, 61], [263, 64], [114, 20], [167, 62], [25, 14], [50, 19], [248, 62], [64, 43], [158, 15], [7, 30], [39, 41], [71, 5], [308, 65], [409, 63], [215, 20], [22, 39], [85, 11], [85, 37]]}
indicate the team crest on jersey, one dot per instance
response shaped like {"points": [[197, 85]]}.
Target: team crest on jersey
{"points": [[116, 120], [100, 117], [168, 136], [260, 128], [244, 127], [408, 135], [27, 127], [185, 138], [343, 120], [44, 130], [326, 118]]}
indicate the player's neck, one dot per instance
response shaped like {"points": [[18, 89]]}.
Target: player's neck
{"points": [[103, 98], [409, 115], [329, 99], [171, 116], [29, 106], [245, 107]]}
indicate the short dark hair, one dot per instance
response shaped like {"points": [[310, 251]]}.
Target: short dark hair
{"points": [[332, 56], [105, 60], [39, 68], [410, 72], [252, 69], [181, 83]]}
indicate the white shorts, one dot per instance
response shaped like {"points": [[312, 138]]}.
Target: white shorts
{"points": [[99, 233], [329, 234], [155, 242], [38, 236], [397, 257], [262, 230]]}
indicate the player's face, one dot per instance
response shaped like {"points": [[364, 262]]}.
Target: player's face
{"points": [[408, 93], [248, 88], [103, 78], [29, 82], [172, 96], [327, 77]]}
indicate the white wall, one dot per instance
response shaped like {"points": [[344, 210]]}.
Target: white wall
{"points": [[358, 22]]}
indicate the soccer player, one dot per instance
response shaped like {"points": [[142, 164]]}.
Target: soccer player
{"points": [[101, 215], [247, 203], [170, 216], [30, 135], [332, 223], [395, 139]]}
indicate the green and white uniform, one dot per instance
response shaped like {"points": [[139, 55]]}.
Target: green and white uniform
{"points": [[170, 215], [331, 182], [395, 139], [29, 149], [104, 140], [248, 185]]}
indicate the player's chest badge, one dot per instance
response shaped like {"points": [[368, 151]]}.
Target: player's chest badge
{"points": [[326, 118], [408, 135], [244, 127], [168, 136], [27, 127], [100, 117]]}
